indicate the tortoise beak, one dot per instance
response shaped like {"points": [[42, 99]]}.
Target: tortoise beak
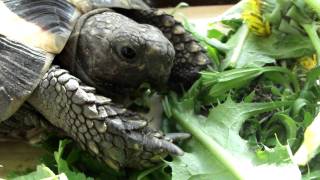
{"points": [[159, 73], [159, 63]]}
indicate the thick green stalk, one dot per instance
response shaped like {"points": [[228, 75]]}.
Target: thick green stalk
{"points": [[213, 147], [217, 44], [311, 30], [238, 49]]}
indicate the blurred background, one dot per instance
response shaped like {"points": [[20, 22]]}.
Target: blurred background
{"points": [[172, 3]]}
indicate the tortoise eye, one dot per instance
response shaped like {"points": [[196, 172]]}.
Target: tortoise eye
{"points": [[128, 52]]}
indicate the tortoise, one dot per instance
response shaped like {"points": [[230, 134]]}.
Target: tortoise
{"points": [[67, 58]]}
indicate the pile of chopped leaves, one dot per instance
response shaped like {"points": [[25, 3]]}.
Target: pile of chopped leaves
{"points": [[253, 115]]}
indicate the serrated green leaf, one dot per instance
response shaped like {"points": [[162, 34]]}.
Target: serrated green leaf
{"points": [[219, 83], [230, 155], [249, 50], [197, 164]]}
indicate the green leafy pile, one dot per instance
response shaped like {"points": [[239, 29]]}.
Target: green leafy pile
{"points": [[249, 115], [252, 115]]}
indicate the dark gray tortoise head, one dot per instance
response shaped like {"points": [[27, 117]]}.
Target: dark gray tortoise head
{"points": [[108, 48]]}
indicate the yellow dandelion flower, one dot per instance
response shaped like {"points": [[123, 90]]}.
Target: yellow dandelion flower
{"points": [[252, 16], [308, 62]]}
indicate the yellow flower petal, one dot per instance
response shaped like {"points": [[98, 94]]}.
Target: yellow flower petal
{"points": [[252, 16], [308, 62]]}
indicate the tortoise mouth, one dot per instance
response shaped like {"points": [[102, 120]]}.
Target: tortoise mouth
{"points": [[121, 89]]}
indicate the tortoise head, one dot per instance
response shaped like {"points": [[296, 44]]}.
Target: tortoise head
{"points": [[113, 50]]}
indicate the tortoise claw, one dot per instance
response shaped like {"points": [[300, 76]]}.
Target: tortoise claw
{"points": [[164, 145], [155, 143], [171, 148], [176, 137]]}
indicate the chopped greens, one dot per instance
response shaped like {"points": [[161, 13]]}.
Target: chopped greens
{"points": [[235, 135], [253, 115]]}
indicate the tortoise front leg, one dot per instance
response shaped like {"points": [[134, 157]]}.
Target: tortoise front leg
{"points": [[117, 136]]}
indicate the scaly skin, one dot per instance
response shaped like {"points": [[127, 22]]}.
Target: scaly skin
{"points": [[190, 56], [113, 134]]}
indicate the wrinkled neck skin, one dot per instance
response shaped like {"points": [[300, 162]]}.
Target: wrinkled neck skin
{"points": [[116, 55]]}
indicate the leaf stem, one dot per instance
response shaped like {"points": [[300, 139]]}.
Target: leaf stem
{"points": [[212, 42], [213, 147], [238, 49], [311, 30], [217, 44]]}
